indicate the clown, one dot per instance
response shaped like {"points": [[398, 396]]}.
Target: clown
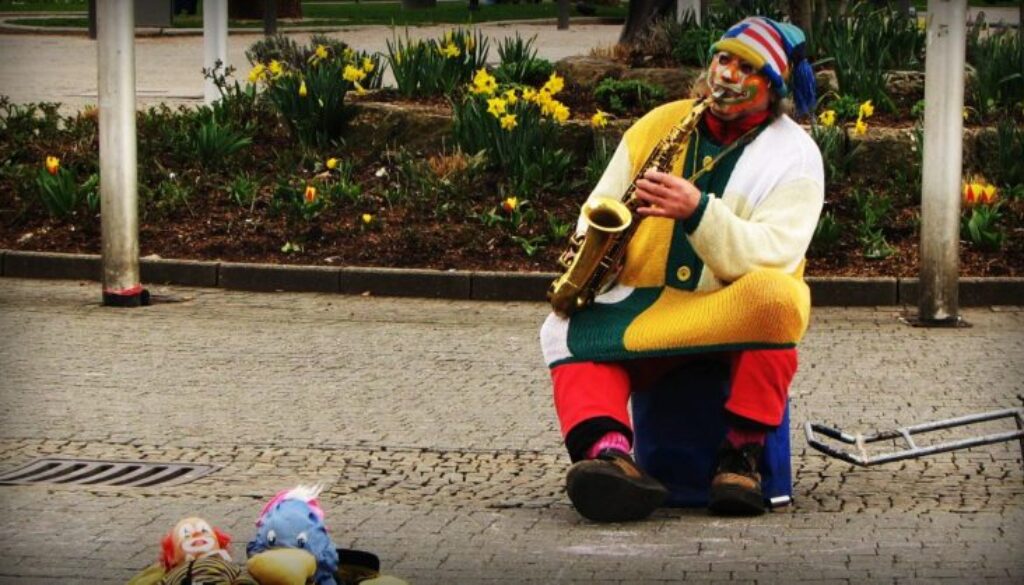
{"points": [[193, 538], [713, 271]]}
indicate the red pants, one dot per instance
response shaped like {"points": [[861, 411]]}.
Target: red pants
{"points": [[600, 390]]}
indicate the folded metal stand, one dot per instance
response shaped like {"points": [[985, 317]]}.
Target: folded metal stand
{"points": [[913, 451]]}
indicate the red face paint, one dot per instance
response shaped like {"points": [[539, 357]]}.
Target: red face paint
{"points": [[744, 90]]}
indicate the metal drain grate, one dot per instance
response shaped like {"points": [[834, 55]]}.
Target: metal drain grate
{"points": [[108, 473]]}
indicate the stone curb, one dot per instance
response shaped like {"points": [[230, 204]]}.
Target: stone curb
{"points": [[826, 291]]}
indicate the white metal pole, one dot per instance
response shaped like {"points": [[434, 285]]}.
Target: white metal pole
{"points": [[684, 6], [215, 41], [943, 157], [115, 34]]}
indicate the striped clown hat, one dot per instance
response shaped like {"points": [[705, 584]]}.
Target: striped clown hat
{"points": [[776, 49]]}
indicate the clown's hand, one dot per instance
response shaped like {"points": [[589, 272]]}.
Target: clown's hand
{"points": [[282, 566]]}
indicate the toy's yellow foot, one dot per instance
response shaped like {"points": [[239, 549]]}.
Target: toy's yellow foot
{"points": [[282, 566]]}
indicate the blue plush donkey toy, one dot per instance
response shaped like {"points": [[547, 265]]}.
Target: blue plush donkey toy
{"points": [[294, 519]]}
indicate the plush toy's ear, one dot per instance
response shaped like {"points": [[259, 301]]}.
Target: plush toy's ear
{"points": [[223, 538], [167, 551]]}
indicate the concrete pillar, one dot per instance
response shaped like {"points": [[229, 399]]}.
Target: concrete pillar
{"points": [[115, 34], [943, 158], [215, 41]]}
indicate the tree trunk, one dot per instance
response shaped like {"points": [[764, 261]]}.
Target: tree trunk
{"points": [[641, 14], [801, 14], [253, 9]]}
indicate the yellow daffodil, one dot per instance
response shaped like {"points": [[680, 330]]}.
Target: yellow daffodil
{"points": [[368, 65], [257, 73], [866, 110], [967, 112], [484, 82], [561, 113], [510, 204], [599, 119], [529, 94], [353, 74], [827, 118], [276, 68], [451, 50], [469, 42], [508, 122], [496, 107], [302, 89], [332, 163], [367, 219], [398, 58], [310, 195], [861, 128], [510, 97], [348, 55], [554, 84], [320, 53], [52, 165]]}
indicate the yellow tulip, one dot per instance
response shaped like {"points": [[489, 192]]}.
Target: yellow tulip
{"points": [[367, 219], [52, 165], [510, 204], [988, 194], [302, 89], [332, 163]]}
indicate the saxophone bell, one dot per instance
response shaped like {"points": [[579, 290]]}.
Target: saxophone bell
{"points": [[606, 219]]}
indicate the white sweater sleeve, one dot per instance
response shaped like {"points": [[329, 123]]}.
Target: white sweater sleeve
{"points": [[776, 235]]}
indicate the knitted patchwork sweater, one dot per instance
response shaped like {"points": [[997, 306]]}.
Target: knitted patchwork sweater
{"points": [[730, 276]]}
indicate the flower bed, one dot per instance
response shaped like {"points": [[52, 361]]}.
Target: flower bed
{"points": [[309, 161]]}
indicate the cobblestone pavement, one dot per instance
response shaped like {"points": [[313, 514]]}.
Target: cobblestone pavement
{"points": [[431, 424]]}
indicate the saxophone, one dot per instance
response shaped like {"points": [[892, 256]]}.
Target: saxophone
{"points": [[593, 258]]}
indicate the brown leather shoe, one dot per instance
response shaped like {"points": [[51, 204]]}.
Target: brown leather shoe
{"points": [[611, 488], [736, 487]]}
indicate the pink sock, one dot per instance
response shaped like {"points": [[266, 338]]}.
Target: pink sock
{"points": [[739, 437], [612, 440]]}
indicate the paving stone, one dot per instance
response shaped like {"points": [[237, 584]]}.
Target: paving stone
{"points": [[430, 424]]}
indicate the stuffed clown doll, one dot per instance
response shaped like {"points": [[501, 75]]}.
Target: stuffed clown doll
{"points": [[194, 552], [714, 271]]}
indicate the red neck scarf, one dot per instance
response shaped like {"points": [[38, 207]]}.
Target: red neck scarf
{"points": [[726, 132]]}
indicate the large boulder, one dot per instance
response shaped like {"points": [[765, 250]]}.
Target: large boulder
{"points": [[677, 81], [588, 71], [412, 126]]}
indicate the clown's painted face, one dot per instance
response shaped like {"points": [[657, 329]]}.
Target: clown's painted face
{"points": [[193, 538], [745, 91]]}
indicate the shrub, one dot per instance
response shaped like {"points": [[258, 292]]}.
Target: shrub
{"points": [[519, 62], [436, 67], [60, 192], [517, 131], [997, 61], [864, 45], [626, 96], [312, 101]]}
